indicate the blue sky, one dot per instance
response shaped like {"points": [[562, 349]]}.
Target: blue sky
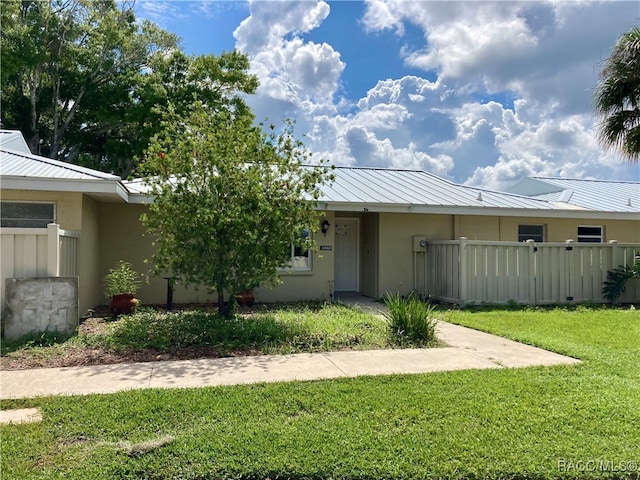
{"points": [[481, 93]]}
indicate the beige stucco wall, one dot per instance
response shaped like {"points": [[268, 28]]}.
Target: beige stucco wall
{"points": [[68, 205], [395, 254], [562, 229], [113, 231], [396, 260], [387, 260], [557, 229], [477, 227], [123, 238], [88, 261], [314, 285]]}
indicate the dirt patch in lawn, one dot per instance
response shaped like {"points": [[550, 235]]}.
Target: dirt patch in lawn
{"points": [[75, 357], [78, 355]]}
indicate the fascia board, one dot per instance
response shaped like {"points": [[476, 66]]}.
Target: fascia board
{"points": [[477, 211], [61, 185], [140, 198]]}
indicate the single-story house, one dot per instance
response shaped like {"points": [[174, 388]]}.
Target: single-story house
{"points": [[378, 221]]}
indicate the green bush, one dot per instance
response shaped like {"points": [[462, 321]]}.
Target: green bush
{"points": [[616, 282], [411, 319], [121, 279]]}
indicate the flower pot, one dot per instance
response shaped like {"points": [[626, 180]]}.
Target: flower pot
{"points": [[123, 303], [245, 298]]}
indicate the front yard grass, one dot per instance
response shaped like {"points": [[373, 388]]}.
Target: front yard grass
{"points": [[532, 423]]}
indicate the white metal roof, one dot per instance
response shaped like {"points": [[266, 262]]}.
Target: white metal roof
{"points": [[416, 188], [25, 171], [13, 140], [19, 164], [357, 189], [595, 195], [369, 189]]}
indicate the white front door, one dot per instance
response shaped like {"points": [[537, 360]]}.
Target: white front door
{"points": [[346, 255]]}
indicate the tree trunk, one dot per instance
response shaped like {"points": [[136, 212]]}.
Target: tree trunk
{"points": [[222, 310]]}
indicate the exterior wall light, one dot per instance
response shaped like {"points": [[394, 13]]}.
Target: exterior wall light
{"points": [[325, 227]]}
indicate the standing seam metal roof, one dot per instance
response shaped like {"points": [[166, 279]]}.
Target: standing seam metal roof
{"points": [[600, 195], [26, 165], [414, 187]]}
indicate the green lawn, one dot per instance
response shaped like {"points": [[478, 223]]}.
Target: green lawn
{"points": [[547, 422]]}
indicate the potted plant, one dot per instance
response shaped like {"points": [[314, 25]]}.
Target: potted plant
{"points": [[121, 285], [246, 297]]}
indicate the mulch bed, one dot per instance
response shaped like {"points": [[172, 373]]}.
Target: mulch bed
{"points": [[75, 357]]}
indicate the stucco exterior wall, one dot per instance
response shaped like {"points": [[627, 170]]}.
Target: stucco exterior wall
{"points": [[89, 287], [396, 256], [562, 229], [477, 228], [113, 231], [396, 261], [314, 285], [122, 237], [68, 205]]}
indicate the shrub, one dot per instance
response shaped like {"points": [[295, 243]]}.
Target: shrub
{"points": [[411, 319], [121, 279], [616, 282]]}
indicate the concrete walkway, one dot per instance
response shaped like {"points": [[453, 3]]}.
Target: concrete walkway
{"points": [[467, 349]]}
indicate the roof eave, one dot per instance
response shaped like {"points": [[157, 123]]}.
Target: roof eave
{"points": [[88, 186], [475, 211]]}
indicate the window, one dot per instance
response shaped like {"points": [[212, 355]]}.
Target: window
{"points": [[531, 232], [26, 214], [300, 252], [590, 234]]}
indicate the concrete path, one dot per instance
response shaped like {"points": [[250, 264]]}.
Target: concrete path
{"points": [[468, 349]]}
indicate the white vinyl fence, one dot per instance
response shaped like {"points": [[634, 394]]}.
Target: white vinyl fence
{"points": [[38, 252], [469, 271]]}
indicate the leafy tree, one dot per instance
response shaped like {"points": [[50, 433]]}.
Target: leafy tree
{"points": [[228, 198], [81, 79], [617, 97]]}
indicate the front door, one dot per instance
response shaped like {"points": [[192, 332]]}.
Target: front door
{"points": [[346, 255]]}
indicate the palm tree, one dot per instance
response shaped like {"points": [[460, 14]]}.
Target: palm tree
{"points": [[617, 97]]}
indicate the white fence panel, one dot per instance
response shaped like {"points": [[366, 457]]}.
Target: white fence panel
{"points": [[37, 253], [469, 271], [68, 256], [496, 271], [551, 272], [624, 254], [442, 272]]}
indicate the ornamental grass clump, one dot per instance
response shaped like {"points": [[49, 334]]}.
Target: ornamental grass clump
{"points": [[411, 319]]}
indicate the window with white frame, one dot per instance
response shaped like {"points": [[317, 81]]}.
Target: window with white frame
{"points": [[300, 252], [26, 214], [590, 234], [531, 232]]}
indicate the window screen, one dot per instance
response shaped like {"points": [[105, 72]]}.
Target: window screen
{"points": [[26, 215], [531, 232], [590, 234]]}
